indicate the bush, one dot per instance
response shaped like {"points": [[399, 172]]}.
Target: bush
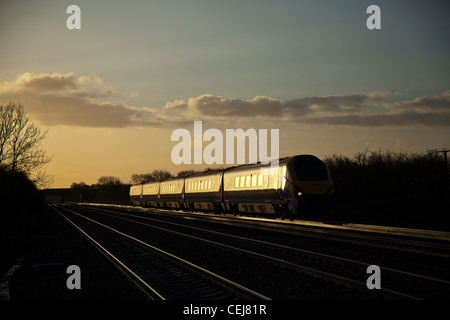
{"points": [[390, 188]]}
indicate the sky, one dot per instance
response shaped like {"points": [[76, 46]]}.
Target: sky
{"points": [[111, 94]]}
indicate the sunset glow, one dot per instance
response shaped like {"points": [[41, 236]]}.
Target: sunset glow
{"points": [[111, 93]]}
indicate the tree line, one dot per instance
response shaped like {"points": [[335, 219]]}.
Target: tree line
{"points": [[155, 175], [386, 187]]}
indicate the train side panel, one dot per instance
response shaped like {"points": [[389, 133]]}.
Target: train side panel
{"points": [[150, 194], [136, 194], [203, 192], [171, 193], [254, 188]]}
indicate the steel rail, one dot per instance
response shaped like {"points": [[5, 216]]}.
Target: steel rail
{"points": [[293, 266], [243, 291], [359, 236], [141, 284]]}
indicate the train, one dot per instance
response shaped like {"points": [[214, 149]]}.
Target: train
{"points": [[299, 185]]}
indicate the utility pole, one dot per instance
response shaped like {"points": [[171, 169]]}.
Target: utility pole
{"points": [[444, 151]]}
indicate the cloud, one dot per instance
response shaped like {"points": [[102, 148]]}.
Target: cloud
{"points": [[67, 99], [215, 106], [439, 103], [339, 110], [262, 106], [64, 99]]}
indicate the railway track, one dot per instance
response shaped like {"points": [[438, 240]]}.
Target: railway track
{"points": [[159, 274], [397, 284], [425, 242]]}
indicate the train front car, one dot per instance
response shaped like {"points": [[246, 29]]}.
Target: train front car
{"points": [[309, 188]]}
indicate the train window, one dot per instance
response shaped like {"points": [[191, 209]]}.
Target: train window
{"points": [[236, 182], [260, 180], [247, 181], [310, 169], [209, 184], [254, 180], [242, 181]]}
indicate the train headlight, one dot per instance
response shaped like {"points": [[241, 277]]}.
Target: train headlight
{"points": [[299, 193]]}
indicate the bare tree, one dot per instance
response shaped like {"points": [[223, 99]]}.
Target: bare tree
{"points": [[20, 144], [81, 185], [155, 175], [141, 178], [187, 173], [109, 181]]}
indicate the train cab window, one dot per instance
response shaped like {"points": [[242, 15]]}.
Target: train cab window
{"points": [[310, 169]]}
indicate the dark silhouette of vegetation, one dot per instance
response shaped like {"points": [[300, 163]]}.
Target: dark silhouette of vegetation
{"points": [[404, 189], [108, 189], [155, 175], [21, 174], [20, 149]]}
